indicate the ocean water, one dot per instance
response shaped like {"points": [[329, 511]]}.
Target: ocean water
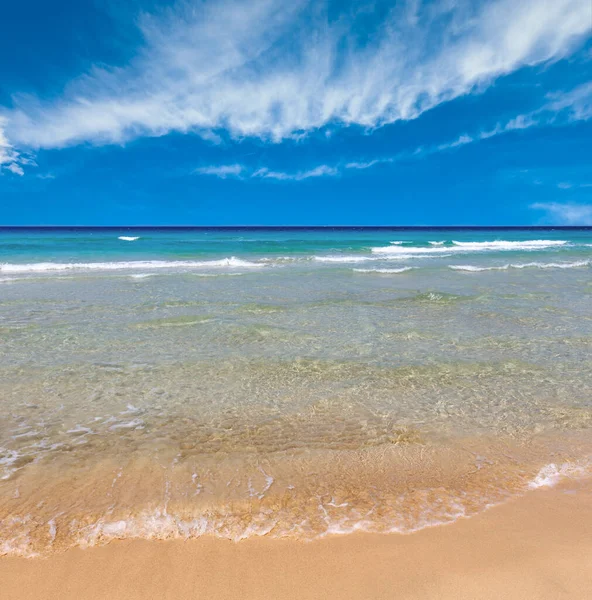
{"points": [[300, 383]]}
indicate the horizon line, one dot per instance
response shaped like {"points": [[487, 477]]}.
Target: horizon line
{"points": [[289, 227]]}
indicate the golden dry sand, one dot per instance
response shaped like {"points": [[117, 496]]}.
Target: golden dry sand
{"points": [[536, 547]]}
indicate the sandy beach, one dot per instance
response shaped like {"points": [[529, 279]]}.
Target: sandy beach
{"points": [[296, 300], [227, 422], [535, 547]]}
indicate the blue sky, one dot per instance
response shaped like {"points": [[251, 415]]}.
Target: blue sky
{"points": [[269, 112]]}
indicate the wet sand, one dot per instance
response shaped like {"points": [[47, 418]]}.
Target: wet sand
{"points": [[535, 547]]}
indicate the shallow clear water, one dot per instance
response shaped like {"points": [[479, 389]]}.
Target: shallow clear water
{"points": [[280, 382]]}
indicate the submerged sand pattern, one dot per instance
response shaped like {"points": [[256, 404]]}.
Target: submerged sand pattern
{"points": [[285, 402], [400, 486], [300, 449]]}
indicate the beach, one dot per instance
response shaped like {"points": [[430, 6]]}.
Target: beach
{"points": [[294, 409], [539, 546], [296, 300]]}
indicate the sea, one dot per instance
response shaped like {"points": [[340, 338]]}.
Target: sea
{"points": [[286, 382]]}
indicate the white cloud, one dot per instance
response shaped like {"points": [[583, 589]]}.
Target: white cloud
{"points": [[573, 105], [361, 165], [15, 168], [222, 171], [541, 117], [577, 103], [273, 69], [10, 159], [570, 185], [565, 214], [320, 171], [242, 172], [461, 141]]}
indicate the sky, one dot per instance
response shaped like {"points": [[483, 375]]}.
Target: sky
{"points": [[267, 112]]}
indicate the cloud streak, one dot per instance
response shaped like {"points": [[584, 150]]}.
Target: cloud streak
{"points": [[558, 213], [274, 70], [243, 172], [566, 107], [221, 171], [10, 159], [563, 107], [320, 171]]}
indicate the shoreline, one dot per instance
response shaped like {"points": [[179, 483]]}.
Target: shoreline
{"points": [[397, 488], [536, 546]]}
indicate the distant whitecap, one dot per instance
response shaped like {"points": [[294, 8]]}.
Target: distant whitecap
{"points": [[530, 265], [385, 271], [466, 247], [140, 265]]}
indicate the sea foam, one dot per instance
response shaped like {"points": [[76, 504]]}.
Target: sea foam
{"points": [[123, 265], [386, 271], [458, 247], [410, 250], [551, 474], [7, 459], [506, 245], [531, 265], [341, 259]]}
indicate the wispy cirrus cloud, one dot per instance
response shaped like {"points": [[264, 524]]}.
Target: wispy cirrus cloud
{"points": [[576, 104], [567, 106], [221, 171], [275, 70], [10, 159], [244, 172], [559, 213], [570, 185], [320, 171]]}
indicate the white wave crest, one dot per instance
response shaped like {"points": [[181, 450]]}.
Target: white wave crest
{"points": [[473, 268], [126, 238], [410, 250], [123, 265], [551, 474], [466, 247], [539, 265], [226, 274], [7, 460], [506, 245], [282, 259], [437, 243], [400, 270], [341, 259], [531, 265]]}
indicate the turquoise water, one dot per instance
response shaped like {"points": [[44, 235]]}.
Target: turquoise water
{"points": [[22, 247], [285, 382]]}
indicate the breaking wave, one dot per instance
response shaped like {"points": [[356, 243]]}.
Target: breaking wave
{"points": [[498, 245], [387, 271], [531, 265], [551, 474], [124, 265], [505, 245], [341, 259]]}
